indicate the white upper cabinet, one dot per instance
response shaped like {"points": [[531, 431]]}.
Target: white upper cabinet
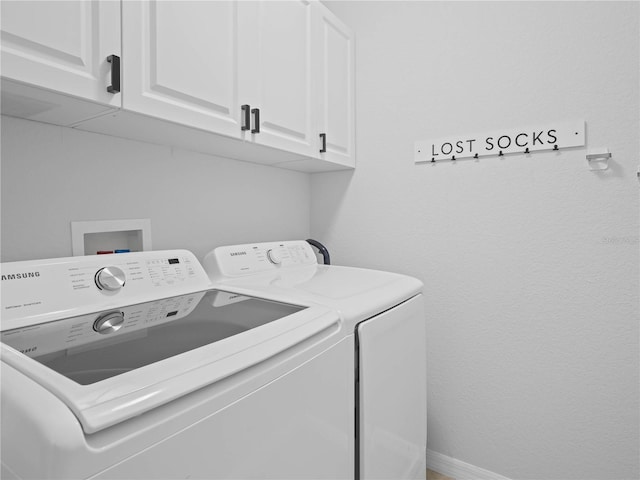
{"points": [[266, 81], [198, 63], [60, 46], [181, 62], [276, 78], [335, 89]]}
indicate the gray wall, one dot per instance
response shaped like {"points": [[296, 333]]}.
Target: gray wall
{"points": [[54, 175], [530, 263]]}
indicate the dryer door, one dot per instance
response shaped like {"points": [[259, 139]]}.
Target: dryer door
{"points": [[392, 393]]}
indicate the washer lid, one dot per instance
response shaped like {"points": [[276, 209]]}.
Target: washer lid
{"points": [[154, 352]]}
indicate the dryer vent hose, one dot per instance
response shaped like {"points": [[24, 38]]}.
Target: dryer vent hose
{"points": [[322, 249]]}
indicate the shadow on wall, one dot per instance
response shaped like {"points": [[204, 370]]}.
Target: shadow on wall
{"points": [[336, 184]]}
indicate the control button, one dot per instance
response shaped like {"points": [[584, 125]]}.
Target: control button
{"points": [[109, 322], [274, 257], [110, 278]]}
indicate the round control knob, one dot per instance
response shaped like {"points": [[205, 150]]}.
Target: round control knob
{"points": [[109, 322], [110, 278], [274, 257]]}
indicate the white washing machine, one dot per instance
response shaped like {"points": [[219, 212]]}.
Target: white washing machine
{"points": [[133, 366], [384, 323]]}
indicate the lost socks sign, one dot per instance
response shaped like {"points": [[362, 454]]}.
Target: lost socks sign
{"points": [[502, 142]]}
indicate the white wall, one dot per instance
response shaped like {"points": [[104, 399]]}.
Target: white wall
{"points": [[54, 175], [530, 264]]}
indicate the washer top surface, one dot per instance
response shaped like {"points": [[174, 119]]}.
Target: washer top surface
{"points": [[357, 293], [161, 332]]}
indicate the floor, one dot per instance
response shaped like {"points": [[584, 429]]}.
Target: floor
{"points": [[431, 475]]}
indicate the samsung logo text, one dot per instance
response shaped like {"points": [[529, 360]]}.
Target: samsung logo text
{"points": [[18, 276]]}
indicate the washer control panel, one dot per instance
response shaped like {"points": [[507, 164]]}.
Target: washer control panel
{"points": [[44, 290], [110, 278], [249, 259], [274, 256], [109, 322]]}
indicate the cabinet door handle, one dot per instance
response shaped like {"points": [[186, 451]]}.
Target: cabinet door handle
{"points": [[256, 120], [323, 137], [114, 60], [246, 117]]}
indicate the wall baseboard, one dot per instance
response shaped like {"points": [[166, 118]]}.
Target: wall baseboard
{"points": [[458, 469]]}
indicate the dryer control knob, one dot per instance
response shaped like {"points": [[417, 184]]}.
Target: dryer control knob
{"points": [[274, 257], [109, 322], [110, 278]]}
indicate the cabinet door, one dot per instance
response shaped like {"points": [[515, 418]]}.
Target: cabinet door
{"points": [[61, 46], [275, 51], [336, 88], [180, 62]]}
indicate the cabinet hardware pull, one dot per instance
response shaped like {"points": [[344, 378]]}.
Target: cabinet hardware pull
{"points": [[323, 136], [246, 120], [114, 60], [256, 120]]}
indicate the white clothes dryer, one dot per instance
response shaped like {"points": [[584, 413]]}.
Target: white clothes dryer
{"points": [[133, 366], [384, 323]]}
